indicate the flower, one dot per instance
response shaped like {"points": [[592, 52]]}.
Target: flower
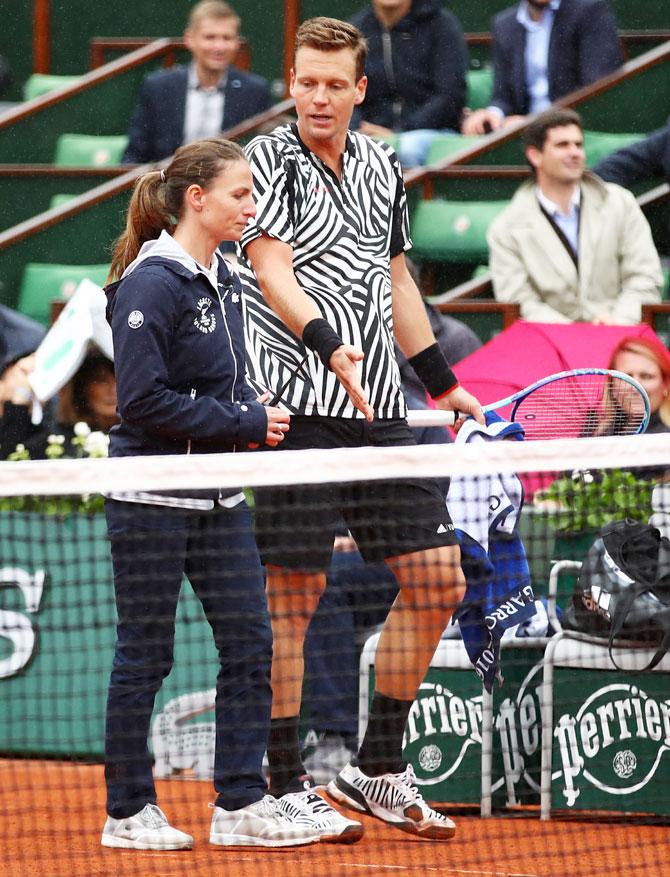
{"points": [[82, 429], [96, 444]]}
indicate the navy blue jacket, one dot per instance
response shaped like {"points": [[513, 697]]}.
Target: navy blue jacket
{"points": [[426, 86], [157, 125], [584, 46], [648, 158], [179, 363]]}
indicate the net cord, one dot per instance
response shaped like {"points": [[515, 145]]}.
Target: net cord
{"points": [[257, 469]]}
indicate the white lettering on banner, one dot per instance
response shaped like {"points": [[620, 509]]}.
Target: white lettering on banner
{"points": [[178, 743], [518, 727], [440, 712], [15, 626], [616, 714]]}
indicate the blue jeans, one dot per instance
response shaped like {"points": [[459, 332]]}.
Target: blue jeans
{"points": [[358, 597], [152, 548]]}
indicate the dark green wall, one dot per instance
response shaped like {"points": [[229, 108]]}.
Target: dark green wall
{"points": [[74, 22]]}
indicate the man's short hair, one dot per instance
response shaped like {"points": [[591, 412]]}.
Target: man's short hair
{"points": [[536, 133], [211, 9], [331, 35]]}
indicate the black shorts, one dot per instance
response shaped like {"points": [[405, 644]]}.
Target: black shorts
{"points": [[296, 525]]}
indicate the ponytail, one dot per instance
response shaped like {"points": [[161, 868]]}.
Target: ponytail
{"points": [[147, 217]]}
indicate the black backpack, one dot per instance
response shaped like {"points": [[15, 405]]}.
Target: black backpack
{"points": [[623, 589]]}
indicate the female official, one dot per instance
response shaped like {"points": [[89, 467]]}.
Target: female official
{"points": [[179, 356]]}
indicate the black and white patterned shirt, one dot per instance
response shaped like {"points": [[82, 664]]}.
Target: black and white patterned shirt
{"points": [[343, 234]]}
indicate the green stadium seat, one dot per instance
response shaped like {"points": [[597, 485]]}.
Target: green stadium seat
{"points": [[452, 231], [41, 83], [480, 88], [59, 200], [90, 150], [445, 145], [598, 144], [43, 283]]}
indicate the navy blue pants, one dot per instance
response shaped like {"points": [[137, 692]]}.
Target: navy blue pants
{"points": [[152, 548]]}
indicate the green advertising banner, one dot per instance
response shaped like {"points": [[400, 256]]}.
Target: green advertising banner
{"points": [[611, 741], [57, 634]]}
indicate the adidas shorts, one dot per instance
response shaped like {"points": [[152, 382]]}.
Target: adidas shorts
{"points": [[296, 525]]}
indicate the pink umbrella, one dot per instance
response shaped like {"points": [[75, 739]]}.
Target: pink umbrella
{"points": [[527, 352]]}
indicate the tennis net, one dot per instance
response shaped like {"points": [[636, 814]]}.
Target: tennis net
{"points": [[570, 736]]}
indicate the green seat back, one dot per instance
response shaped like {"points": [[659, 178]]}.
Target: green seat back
{"points": [[41, 83], [598, 144], [59, 200], [452, 231], [90, 150], [446, 145], [43, 283], [480, 88]]}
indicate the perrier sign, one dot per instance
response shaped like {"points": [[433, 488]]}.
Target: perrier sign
{"points": [[611, 741]]}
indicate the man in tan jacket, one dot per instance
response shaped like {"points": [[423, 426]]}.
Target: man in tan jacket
{"points": [[571, 247]]}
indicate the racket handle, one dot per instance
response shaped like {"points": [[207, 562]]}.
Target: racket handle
{"points": [[430, 417]]}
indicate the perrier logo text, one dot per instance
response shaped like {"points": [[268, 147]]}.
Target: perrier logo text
{"points": [[615, 741]]}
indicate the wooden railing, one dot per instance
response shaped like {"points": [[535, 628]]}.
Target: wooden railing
{"points": [[124, 180], [628, 39], [155, 49], [100, 47], [629, 70]]}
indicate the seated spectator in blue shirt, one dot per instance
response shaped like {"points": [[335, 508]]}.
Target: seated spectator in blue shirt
{"points": [[639, 161], [183, 104], [542, 50], [416, 64], [647, 158]]}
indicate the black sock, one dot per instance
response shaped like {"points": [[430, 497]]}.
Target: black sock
{"points": [[381, 749], [284, 753]]}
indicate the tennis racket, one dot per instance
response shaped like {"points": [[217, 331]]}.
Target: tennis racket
{"points": [[581, 403]]}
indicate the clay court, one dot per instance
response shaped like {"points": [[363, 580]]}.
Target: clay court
{"points": [[51, 814]]}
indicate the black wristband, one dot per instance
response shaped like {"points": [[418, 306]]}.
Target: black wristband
{"points": [[433, 371], [320, 336]]}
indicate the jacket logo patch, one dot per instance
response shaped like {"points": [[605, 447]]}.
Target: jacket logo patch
{"points": [[135, 319], [204, 321]]}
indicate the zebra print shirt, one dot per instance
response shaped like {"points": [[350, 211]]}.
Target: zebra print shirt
{"points": [[343, 235]]}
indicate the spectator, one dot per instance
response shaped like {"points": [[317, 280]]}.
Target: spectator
{"points": [[415, 69], [542, 50], [647, 361], [648, 158], [19, 338], [183, 104], [570, 247]]}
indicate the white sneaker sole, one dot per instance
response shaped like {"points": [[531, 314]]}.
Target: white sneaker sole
{"points": [[241, 840], [125, 843]]}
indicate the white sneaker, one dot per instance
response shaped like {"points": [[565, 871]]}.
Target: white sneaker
{"points": [[392, 797], [261, 824], [324, 755], [310, 810], [146, 830]]}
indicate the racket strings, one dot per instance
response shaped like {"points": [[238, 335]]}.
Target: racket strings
{"points": [[581, 406]]}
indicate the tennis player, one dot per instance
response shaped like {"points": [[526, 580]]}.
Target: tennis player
{"points": [[324, 274], [179, 357]]}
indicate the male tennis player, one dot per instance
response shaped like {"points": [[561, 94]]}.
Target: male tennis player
{"points": [[324, 273]]}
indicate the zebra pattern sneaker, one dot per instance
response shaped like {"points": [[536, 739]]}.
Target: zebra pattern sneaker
{"points": [[393, 798], [309, 810]]}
